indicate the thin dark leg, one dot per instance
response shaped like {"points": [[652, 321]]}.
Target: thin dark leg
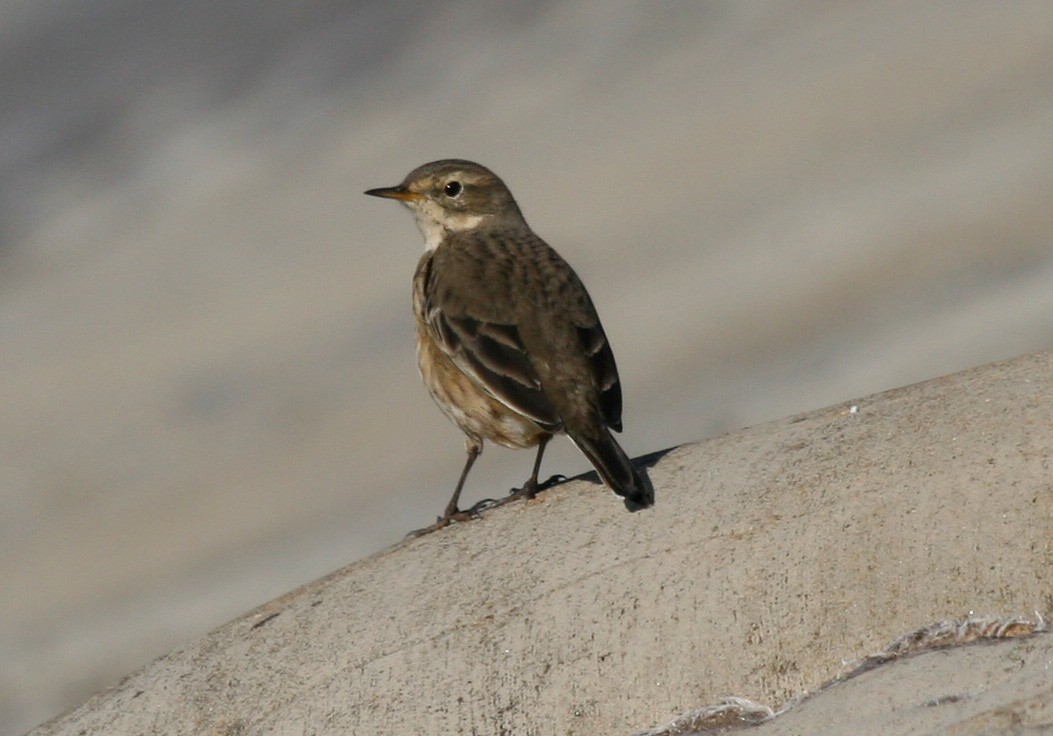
{"points": [[531, 487], [473, 447]]}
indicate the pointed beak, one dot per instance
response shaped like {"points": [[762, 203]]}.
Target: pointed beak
{"points": [[400, 193]]}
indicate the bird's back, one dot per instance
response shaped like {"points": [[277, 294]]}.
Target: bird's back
{"points": [[520, 282]]}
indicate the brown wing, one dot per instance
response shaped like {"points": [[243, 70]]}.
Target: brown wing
{"points": [[491, 353], [605, 373], [486, 330]]}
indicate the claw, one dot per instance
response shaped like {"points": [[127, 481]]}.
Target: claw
{"points": [[444, 521]]}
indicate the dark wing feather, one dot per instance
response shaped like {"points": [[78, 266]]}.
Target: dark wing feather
{"points": [[484, 330], [605, 372], [494, 356]]}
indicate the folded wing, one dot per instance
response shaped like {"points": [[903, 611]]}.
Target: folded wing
{"points": [[493, 354]]}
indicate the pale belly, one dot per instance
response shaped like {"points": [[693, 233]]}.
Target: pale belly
{"points": [[477, 413]]}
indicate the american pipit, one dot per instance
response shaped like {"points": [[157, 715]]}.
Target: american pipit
{"points": [[508, 341]]}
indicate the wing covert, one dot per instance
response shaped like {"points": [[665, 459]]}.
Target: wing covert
{"points": [[494, 356]]}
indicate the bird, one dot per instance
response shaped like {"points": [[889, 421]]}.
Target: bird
{"points": [[509, 344]]}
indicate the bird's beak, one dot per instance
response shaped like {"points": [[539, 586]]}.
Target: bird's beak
{"points": [[400, 193]]}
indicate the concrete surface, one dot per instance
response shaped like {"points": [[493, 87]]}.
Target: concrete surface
{"points": [[773, 553], [986, 688], [1004, 684], [206, 350]]}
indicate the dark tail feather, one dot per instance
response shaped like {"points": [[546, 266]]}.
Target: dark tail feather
{"points": [[617, 470]]}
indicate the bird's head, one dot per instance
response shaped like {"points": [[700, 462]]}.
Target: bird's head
{"points": [[451, 196]]}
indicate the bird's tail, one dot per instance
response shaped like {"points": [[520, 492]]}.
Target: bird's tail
{"points": [[616, 469]]}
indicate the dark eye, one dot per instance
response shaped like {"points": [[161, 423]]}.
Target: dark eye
{"points": [[452, 189]]}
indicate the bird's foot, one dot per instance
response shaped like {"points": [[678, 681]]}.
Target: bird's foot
{"points": [[486, 504], [531, 488], [528, 491], [445, 520]]}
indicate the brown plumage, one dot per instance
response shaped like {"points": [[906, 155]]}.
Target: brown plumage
{"points": [[508, 341]]}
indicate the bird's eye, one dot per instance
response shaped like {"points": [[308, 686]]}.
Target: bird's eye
{"points": [[452, 189]]}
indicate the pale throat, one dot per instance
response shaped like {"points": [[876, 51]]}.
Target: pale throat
{"points": [[435, 231]]}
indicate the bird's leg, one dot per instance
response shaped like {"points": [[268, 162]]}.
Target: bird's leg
{"points": [[473, 446], [532, 487], [529, 489]]}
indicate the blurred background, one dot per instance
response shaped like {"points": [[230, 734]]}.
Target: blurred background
{"points": [[208, 388]]}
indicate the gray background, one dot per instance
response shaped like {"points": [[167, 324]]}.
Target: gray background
{"points": [[207, 380]]}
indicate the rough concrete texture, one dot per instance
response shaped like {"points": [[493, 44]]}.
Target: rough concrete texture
{"points": [[774, 554], [987, 688], [208, 390], [949, 679]]}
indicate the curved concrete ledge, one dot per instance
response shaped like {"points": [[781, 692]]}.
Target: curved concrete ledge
{"points": [[1004, 688], [772, 553]]}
